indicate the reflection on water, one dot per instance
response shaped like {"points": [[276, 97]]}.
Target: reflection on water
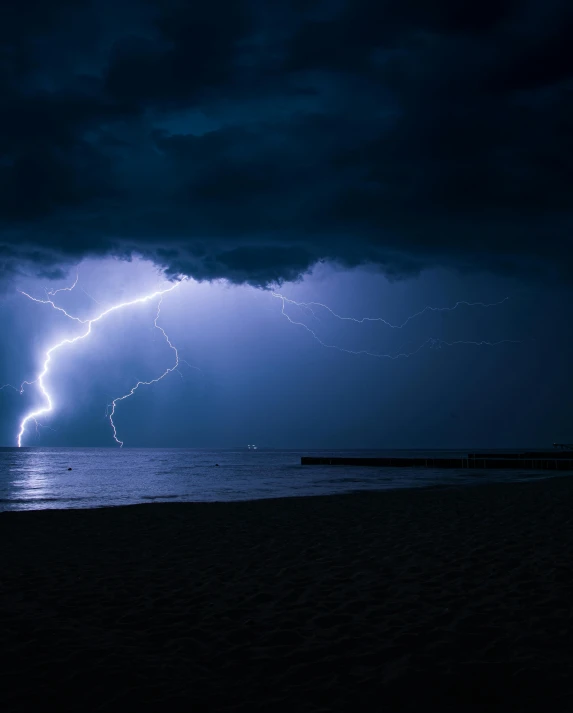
{"points": [[31, 478], [38, 478]]}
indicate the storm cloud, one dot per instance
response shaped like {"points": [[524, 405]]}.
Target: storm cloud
{"points": [[249, 140]]}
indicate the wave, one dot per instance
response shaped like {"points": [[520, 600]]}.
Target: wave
{"points": [[29, 501]]}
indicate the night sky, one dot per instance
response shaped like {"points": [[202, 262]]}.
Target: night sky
{"points": [[375, 157]]}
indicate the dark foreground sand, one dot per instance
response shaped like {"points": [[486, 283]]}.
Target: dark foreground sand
{"points": [[456, 600]]}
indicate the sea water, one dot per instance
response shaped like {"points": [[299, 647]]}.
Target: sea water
{"points": [[40, 478]]}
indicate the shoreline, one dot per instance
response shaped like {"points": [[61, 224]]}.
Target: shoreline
{"points": [[152, 500], [439, 597]]}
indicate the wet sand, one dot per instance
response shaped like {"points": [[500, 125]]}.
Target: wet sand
{"points": [[456, 600]]}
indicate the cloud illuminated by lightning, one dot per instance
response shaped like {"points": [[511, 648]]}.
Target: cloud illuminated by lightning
{"points": [[40, 379], [432, 342], [309, 308]]}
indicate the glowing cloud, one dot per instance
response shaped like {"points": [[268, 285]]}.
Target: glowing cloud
{"points": [[310, 309]]}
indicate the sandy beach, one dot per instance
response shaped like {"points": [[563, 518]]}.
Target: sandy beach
{"points": [[429, 599]]}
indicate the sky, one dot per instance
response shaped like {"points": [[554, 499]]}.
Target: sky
{"points": [[374, 157]]}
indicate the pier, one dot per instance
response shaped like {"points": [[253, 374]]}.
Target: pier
{"points": [[527, 461]]}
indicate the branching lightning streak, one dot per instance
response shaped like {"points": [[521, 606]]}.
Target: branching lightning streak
{"points": [[432, 342], [60, 309], [362, 320], [9, 386], [40, 379], [51, 293], [306, 307], [144, 383]]}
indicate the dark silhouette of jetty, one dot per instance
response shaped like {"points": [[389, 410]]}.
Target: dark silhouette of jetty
{"points": [[533, 460]]}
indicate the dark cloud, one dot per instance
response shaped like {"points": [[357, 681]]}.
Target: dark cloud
{"points": [[248, 140], [191, 49]]}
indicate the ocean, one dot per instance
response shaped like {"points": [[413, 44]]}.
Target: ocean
{"points": [[38, 478]]}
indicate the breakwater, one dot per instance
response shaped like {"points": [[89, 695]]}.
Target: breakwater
{"points": [[527, 461]]}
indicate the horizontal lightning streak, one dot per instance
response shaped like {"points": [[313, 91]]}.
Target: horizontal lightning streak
{"points": [[432, 342], [362, 320]]}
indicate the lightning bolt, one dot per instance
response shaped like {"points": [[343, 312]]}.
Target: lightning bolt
{"points": [[432, 342], [306, 307], [51, 293], [144, 383], [362, 320], [40, 379]]}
